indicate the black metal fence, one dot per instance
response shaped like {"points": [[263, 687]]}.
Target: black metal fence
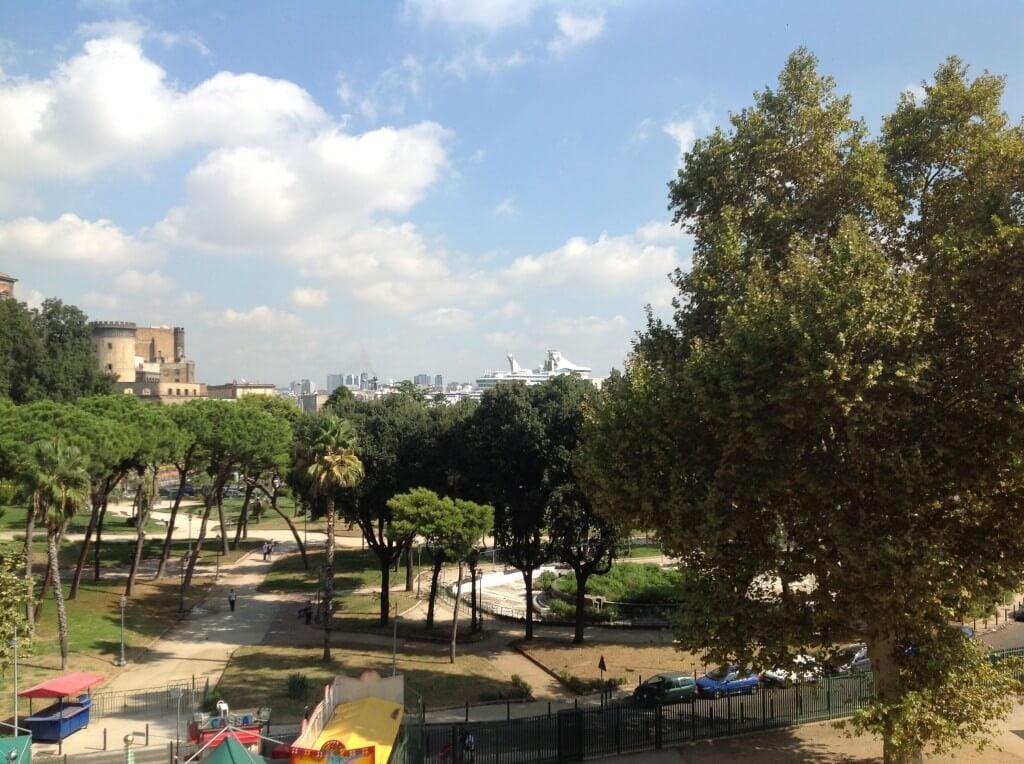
{"points": [[623, 727], [185, 695]]}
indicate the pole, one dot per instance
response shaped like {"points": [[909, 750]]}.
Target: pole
{"points": [[14, 644], [394, 645], [177, 724], [123, 602]]}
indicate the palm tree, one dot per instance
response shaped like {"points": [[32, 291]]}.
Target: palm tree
{"points": [[334, 465], [59, 485]]}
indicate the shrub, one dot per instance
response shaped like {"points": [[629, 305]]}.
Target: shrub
{"points": [[298, 686], [546, 580], [520, 690], [629, 582], [585, 686], [210, 700]]}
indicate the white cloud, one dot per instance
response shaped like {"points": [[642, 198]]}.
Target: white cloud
{"points": [[260, 317], [388, 93], [687, 131], [490, 15], [916, 89], [144, 282], [477, 61], [660, 231], [609, 264], [72, 240], [575, 30], [506, 208], [448, 318], [112, 106], [308, 297]]}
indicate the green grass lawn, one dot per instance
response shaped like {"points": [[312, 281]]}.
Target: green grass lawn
{"points": [[94, 629], [12, 518], [259, 675]]}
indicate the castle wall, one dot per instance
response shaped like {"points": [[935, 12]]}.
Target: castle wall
{"points": [[114, 343]]}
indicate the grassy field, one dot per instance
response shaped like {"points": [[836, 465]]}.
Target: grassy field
{"points": [[12, 518], [259, 675], [626, 662], [94, 629], [356, 584]]}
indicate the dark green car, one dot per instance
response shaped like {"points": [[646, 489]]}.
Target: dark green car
{"points": [[667, 687]]}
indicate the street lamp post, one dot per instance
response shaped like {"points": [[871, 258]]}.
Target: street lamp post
{"points": [[123, 602], [394, 644], [181, 589], [14, 645], [177, 726]]}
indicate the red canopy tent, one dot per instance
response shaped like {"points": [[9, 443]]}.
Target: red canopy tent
{"points": [[59, 720], [62, 686]]}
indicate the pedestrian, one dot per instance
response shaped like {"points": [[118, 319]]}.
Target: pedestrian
{"points": [[266, 550], [270, 549], [305, 712], [469, 748], [231, 598]]}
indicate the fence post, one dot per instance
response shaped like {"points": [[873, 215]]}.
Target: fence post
{"points": [[618, 729], [728, 713], [467, 711], [147, 733], [104, 738], [693, 718], [657, 727]]}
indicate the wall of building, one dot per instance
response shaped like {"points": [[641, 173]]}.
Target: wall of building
{"points": [[155, 343], [114, 343]]}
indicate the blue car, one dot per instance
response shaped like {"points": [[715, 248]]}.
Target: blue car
{"points": [[728, 680]]}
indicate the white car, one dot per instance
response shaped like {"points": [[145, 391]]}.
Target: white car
{"points": [[800, 669]]}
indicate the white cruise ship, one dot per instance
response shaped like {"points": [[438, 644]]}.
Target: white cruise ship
{"points": [[555, 365]]}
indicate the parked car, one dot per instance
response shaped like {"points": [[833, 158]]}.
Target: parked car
{"points": [[667, 687], [728, 680], [801, 668], [848, 660]]}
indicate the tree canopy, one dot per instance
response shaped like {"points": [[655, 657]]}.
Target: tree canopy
{"points": [[835, 405]]}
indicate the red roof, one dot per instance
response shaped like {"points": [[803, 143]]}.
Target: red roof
{"points": [[62, 686]]}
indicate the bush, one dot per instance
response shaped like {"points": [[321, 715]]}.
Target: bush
{"points": [[626, 582], [585, 686], [546, 580], [298, 686], [210, 701], [520, 690], [567, 610]]}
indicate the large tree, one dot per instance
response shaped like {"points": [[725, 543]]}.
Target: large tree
{"points": [[509, 460], [58, 484], [837, 399], [334, 466]]}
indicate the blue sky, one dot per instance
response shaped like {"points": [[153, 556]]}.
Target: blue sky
{"points": [[402, 187]]}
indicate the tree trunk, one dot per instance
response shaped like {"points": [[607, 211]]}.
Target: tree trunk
{"points": [[221, 519], [30, 532], [473, 626], [83, 553], [243, 517], [888, 688], [145, 507], [455, 615], [99, 542], [292, 528], [58, 596], [199, 543], [165, 553], [435, 573], [408, 567], [581, 606], [47, 578], [328, 604], [528, 580], [385, 590]]}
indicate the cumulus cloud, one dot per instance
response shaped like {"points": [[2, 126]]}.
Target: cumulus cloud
{"points": [[308, 297], [477, 61], [575, 30], [111, 105], [490, 15], [506, 208], [686, 132], [70, 239], [144, 282], [260, 317], [607, 264]]}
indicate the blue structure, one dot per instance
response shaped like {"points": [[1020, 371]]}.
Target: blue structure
{"points": [[56, 722]]}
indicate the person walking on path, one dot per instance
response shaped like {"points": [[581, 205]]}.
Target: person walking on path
{"points": [[266, 550], [231, 598]]}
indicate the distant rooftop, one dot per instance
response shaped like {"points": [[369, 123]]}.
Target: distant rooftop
{"points": [[8, 279]]}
